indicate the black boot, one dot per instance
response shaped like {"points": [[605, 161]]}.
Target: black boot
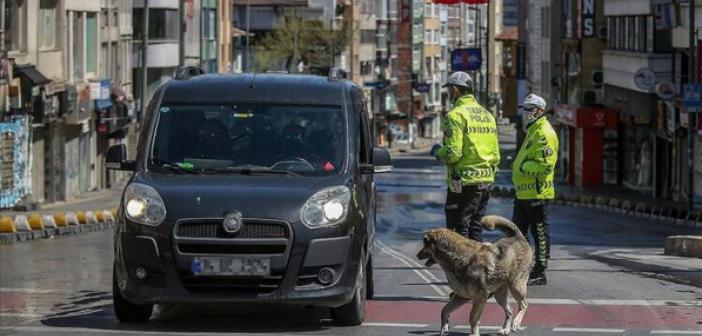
{"points": [[537, 278]]}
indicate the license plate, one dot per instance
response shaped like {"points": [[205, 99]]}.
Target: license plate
{"points": [[231, 266]]}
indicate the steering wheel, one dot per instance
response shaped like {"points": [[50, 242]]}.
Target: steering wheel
{"points": [[293, 162]]}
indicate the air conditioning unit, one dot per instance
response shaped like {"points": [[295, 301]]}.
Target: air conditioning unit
{"points": [[597, 78], [593, 97]]}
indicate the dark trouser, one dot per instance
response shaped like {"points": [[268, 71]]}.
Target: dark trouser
{"points": [[465, 210], [532, 215]]}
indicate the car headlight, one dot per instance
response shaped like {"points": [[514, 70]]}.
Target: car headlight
{"points": [[327, 207], [144, 205]]}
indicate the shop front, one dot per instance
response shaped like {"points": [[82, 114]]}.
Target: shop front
{"points": [[670, 152], [588, 145]]}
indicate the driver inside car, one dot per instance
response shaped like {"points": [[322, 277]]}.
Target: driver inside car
{"points": [[293, 143]]}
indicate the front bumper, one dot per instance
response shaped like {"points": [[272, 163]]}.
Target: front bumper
{"points": [[293, 269]]}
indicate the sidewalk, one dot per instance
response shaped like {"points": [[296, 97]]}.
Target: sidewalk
{"points": [[654, 263]]}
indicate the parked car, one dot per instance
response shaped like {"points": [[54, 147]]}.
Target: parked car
{"points": [[249, 189]]}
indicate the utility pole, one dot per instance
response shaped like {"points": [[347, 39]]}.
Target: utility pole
{"points": [[181, 33], [248, 35], [144, 58], [691, 117]]}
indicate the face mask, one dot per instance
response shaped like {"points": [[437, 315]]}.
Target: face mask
{"points": [[528, 117]]}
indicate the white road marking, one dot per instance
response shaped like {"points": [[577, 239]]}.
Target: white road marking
{"points": [[678, 332], [590, 330], [427, 276], [22, 315], [481, 327], [27, 290], [391, 324], [96, 331], [584, 302]]}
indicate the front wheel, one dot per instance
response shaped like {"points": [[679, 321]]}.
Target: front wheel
{"points": [[354, 312], [125, 311], [370, 285]]}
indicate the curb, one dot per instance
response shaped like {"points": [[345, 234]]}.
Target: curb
{"points": [[684, 246], [23, 228], [670, 214]]}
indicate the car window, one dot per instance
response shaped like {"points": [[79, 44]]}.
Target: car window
{"points": [[302, 139]]}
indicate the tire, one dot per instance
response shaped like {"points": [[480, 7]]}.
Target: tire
{"points": [[354, 312], [370, 285], [125, 311]]}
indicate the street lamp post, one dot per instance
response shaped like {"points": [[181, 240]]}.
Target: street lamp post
{"points": [[691, 116]]}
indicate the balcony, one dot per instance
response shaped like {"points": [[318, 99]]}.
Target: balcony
{"points": [[621, 66]]}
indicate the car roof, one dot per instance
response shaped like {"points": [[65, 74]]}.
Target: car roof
{"points": [[256, 88]]}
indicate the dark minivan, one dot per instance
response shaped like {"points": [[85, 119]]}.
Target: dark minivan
{"points": [[251, 188]]}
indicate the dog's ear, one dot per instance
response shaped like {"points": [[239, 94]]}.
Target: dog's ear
{"points": [[429, 238]]}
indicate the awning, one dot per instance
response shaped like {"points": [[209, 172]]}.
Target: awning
{"points": [[31, 73]]}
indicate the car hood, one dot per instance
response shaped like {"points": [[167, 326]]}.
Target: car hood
{"points": [[255, 196]]}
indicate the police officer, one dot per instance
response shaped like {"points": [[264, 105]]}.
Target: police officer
{"points": [[532, 175], [471, 152]]}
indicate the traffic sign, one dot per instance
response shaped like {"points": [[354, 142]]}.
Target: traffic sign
{"points": [[467, 59], [692, 97], [422, 87]]}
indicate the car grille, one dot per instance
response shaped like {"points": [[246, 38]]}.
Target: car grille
{"points": [[265, 238], [214, 229]]}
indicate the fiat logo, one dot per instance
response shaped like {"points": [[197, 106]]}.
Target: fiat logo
{"points": [[232, 223]]}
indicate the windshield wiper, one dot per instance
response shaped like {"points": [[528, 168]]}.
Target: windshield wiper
{"points": [[179, 167], [250, 170]]}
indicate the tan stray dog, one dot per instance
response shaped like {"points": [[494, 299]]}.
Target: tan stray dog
{"points": [[476, 270]]}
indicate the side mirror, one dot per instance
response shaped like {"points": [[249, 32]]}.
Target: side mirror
{"points": [[382, 163], [116, 159]]}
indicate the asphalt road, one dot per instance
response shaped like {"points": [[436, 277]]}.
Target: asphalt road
{"points": [[62, 286]]}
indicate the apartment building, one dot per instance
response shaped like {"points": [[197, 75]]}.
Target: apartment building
{"points": [[68, 94]]}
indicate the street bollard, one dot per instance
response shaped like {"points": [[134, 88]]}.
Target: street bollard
{"points": [[109, 219], [7, 225], [71, 218], [90, 218], [80, 216], [35, 222], [60, 219], [48, 221], [21, 223], [100, 216]]}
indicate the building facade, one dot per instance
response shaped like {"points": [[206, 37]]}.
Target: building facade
{"points": [[69, 92]]}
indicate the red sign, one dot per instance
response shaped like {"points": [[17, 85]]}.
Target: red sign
{"points": [[102, 128], [587, 117]]}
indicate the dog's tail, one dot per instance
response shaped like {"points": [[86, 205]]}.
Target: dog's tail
{"points": [[505, 225]]}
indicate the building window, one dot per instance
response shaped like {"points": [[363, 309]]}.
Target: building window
{"points": [[91, 42], [47, 24], [368, 36], [15, 25], [163, 23], [75, 28]]}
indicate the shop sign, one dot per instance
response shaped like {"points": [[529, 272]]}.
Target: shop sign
{"points": [[665, 90], [467, 59], [588, 18], [692, 96], [95, 90], [645, 79]]}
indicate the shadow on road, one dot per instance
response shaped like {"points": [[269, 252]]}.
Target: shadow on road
{"points": [[249, 319]]}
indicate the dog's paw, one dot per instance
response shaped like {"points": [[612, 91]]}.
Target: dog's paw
{"points": [[504, 331], [444, 330], [518, 328]]}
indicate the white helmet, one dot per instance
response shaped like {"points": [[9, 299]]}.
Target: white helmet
{"points": [[533, 100]]}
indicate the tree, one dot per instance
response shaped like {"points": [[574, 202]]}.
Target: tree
{"points": [[298, 40]]}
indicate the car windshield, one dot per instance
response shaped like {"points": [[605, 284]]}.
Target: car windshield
{"points": [[249, 139]]}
